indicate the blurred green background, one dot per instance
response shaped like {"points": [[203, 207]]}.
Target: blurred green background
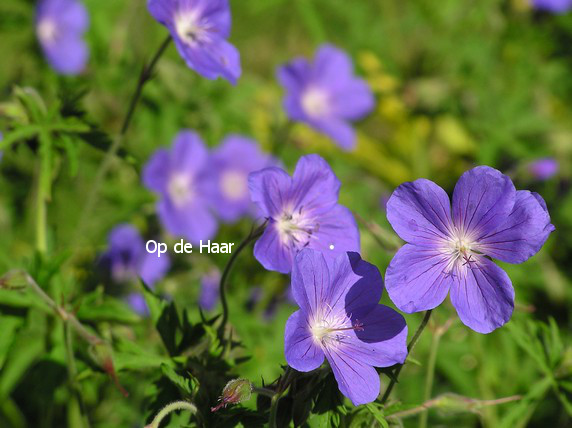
{"points": [[458, 83]]}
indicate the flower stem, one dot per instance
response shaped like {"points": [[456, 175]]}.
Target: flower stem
{"points": [[264, 391], [170, 408], [77, 403], [253, 236], [43, 192], [274, 411], [410, 346], [283, 385], [144, 77], [439, 332]]}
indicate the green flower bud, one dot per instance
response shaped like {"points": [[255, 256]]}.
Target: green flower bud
{"points": [[236, 391]]}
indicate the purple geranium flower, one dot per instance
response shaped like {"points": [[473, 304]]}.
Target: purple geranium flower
{"points": [[450, 249], [128, 259], [179, 176], [200, 29], [209, 290], [326, 95], [302, 212], [60, 26], [340, 318], [543, 169], [231, 163], [555, 6], [137, 302]]}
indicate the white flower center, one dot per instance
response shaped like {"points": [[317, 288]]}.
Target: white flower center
{"points": [[234, 185], [463, 253], [328, 329], [316, 102], [296, 229], [189, 28], [180, 189], [47, 31]]}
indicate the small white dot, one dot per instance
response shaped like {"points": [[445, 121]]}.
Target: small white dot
{"points": [[331, 246]]}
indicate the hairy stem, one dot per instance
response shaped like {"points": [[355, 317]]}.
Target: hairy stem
{"points": [[264, 391], [410, 346], [253, 236], [144, 77], [170, 408]]}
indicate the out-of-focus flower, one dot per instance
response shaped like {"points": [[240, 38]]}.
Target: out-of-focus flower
{"points": [[543, 169], [179, 176], [230, 165], [128, 259], [60, 26], [138, 304], [340, 319], [554, 6], [209, 290], [200, 29], [302, 212], [450, 249], [326, 94]]}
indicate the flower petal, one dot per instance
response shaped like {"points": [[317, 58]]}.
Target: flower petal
{"points": [[153, 268], [156, 171], [420, 213], [417, 278], [355, 100], [189, 152], [301, 351], [482, 200], [483, 297], [355, 285], [338, 130], [194, 222], [524, 232], [69, 55], [357, 380], [337, 234], [310, 280], [294, 75], [382, 340], [332, 66], [315, 187], [271, 252], [269, 190]]}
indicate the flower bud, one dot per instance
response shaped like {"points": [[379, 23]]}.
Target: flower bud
{"points": [[236, 391]]}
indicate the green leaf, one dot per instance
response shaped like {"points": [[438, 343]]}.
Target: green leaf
{"points": [[377, 413], [23, 132], [187, 385], [28, 347], [98, 307], [130, 356]]}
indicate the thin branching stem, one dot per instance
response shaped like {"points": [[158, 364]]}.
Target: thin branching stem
{"points": [[253, 236], [434, 402], [410, 346], [144, 77]]}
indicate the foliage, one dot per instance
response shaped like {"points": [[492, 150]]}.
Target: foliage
{"points": [[456, 84]]}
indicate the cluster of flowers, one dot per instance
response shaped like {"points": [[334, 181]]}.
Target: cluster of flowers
{"points": [[449, 248], [308, 234]]}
